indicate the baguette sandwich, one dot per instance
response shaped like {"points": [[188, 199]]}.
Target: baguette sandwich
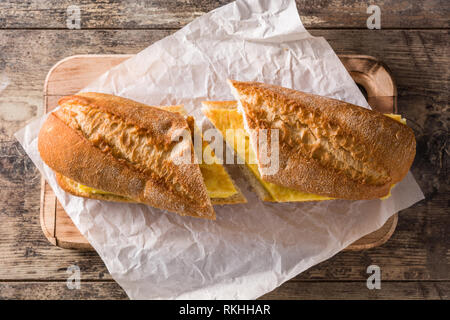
{"points": [[328, 148], [111, 148]]}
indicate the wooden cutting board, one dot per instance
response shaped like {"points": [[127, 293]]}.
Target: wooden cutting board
{"points": [[72, 74]]}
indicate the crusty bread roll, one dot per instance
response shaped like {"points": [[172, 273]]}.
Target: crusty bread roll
{"points": [[125, 148], [326, 146]]}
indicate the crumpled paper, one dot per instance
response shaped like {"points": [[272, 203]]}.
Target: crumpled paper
{"points": [[251, 248]]}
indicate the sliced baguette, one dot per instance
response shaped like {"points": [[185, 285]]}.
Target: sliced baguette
{"points": [[326, 146], [125, 148]]}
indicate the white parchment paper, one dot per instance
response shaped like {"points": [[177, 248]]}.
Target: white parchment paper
{"points": [[251, 248]]}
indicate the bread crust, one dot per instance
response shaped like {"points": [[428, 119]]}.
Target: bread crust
{"points": [[327, 147], [77, 155]]}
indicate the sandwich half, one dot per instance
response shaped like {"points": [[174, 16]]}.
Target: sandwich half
{"points": [[327, 148], [110, 148]]}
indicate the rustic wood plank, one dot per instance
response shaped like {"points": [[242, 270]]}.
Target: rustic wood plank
{"points": [[59, 291], [401, 290], [50, 14], [414, 57], [418, 249], [293, 290]]}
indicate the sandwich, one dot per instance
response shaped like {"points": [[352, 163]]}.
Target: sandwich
{"points": [[327, 149], [110, 148]]}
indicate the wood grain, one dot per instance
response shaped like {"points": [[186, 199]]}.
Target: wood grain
{"points": [[56, 290], [167, 14], [358, 290], [419, 59], [418, 249], [292, 290]]}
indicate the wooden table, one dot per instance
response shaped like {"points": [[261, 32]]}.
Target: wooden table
{"points": [[413, 42]]}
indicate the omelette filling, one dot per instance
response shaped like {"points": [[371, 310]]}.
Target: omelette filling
{"points": [[228, 118], [217, 181]]}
